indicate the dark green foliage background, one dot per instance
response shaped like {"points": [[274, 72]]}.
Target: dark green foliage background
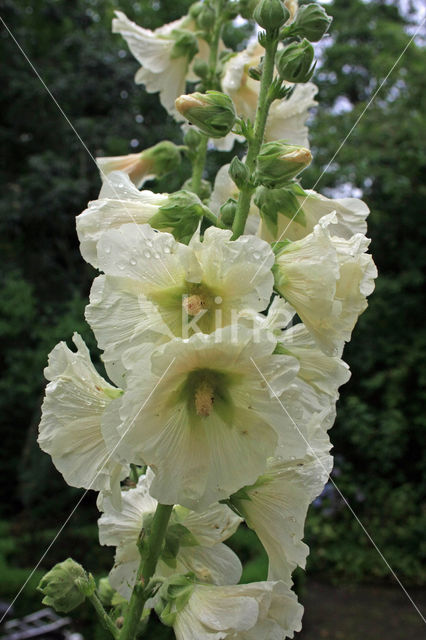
{"points": [[47, 178]]}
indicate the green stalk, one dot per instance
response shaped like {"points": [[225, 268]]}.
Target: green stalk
{"points": [[254, 144], [200, 159], [146, 570], [104, 618]]}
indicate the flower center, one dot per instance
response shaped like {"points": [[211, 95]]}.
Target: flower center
{"points": [[204, 399], [194, 304]]}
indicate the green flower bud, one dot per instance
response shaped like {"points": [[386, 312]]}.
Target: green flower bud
{"points": [[238, 172], [200, 68], [247, 7], [192, 138], [105, 592], [311, 22], [278, 163], [66, 586], [206, 18], [294, 63], [271, 14], [161, 159], [195, 9], [204, 191], [185, 46], [227, 212], [180, 216], [212, 112]]}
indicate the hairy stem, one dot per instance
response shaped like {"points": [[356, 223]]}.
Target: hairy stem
{"points": [[254, 144], [146, 570], [211, 83], [104, 618]]}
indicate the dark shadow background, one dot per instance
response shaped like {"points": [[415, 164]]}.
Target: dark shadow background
{"points": [[47, 178]]}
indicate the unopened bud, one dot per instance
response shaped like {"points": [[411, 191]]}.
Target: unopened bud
{"points": [[247, 7], [271, 14], [200, 68], [294, 63], [278, 163], [206, 18], [66, 586], [212, 112], [195, 9], [227, 212], [238, 172], [311, 22], [105, 592]]}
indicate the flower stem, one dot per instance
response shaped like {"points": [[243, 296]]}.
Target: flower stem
{"points": [[146, 570], [211, 83], [255, 142], [104, 618]]}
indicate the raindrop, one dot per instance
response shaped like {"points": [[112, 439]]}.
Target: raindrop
{"points": [[256, 255], [107, 249], [133, 262], [149, 243], [147, 254], [167, 250]]}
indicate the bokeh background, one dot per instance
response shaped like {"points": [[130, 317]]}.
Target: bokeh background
{"points": [[47, 178]]}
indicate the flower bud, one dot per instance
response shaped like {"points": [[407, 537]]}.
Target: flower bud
{"points": [[212, 112], [238, 172], [206, 18], [311, 22], [105, 592], [278, 163], [66, 586], [247, 7], [271, 14], [200, 68], [294, 63], [195, 9], [204, 191], [227, 212]]}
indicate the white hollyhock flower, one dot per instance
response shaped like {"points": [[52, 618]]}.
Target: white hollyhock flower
{"points": [[286, 118], [164, 56], [201, 535], [267, 610], [156, 288], [327, 280], [351, 214], [275, 508], [324, 373], [119, 202], [224, 188], [208, 420], [70, 427]]}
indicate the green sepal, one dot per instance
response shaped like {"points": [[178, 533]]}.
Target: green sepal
{"points": [[272, 202], [277, 247], [173, 596], [295, 62], [180, 215], [112, 393], [185, 45]]}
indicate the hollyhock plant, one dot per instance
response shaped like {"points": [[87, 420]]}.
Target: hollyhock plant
{"points": [[221, 316]]}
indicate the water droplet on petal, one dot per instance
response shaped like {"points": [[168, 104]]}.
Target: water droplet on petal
{"points": [[256, 255], [107, 249], [147, 254], [133, 262], [149, 243]]}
